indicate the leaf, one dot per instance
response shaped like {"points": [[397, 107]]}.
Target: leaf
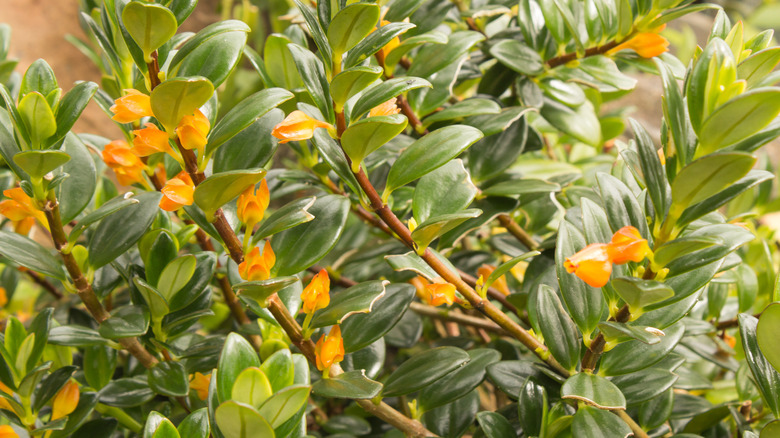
{"points": [[261, 290], [106, 244], [289, 216], [75, 193], [632, 356], [126, 393], [125, 322], [312, 72], [433, 58], [284, 404], [518, 57], [108, 208], [169, 378], [175, 275], [453, 419], [766, 377], [638, 293], [237, 420], [252, 388], [150, 25], [429, 153], [300, 247], [532, 407], [221, 188], [460, 382], [246, 112], [674, 249], [594, 423], [395, 55], [738, 119], [179, 97], [38, 163], [436, 226], [495, 425], [357, 299], [593, 390], [709, 175], [753, 178], [352, 384], [366, 136], [383, 92], [237, 355], [38, 119], [765, 333], [446, 190], [652, 170], [280, 65], [644, 385], [30, 254], [580, 122], [362, 330], [39, 77], [333, 155], [71, 106], [75, 336], [350, 26], [158, 305], [212, 53], [465, 108], [616, 331], [350, 82], [166, 430], [317, 31], [556, 326], [423, 369], [195, 425], [523, 186]]}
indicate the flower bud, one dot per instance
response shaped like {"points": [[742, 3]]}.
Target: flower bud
{"points": [[298, 126], [329, 349], [256, 266], [177, 192], [252, 205], [21, 210], [126, 165], [150, 140], [440, 293], [65, 401], [317, 294], [192, 131], [385, 109], [627, 245], [200, 383]]}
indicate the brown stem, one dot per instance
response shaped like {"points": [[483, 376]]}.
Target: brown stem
{"points": [[44, 283], [517, 231], [593, 51], [83, 288], [592, 355], [731, 323], [448, 315], [409, 113], [154, 71]]}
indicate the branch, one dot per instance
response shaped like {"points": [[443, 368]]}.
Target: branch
{"points": [[593, 51], [517, 231], [448, 315], [592, 355]]}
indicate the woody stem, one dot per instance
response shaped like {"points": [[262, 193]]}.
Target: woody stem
{"points": [[592, 355]]}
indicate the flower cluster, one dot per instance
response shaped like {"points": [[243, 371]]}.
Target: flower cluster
{"points": [[593, 264]]}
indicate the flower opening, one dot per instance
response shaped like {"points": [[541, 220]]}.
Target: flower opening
{"points": [[592, 264], [257, 266], [298, 126], [131, 107]]}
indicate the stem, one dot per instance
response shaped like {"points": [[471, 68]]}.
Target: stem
{"points": [[409, 113], [592, 355], [83, 288], [448, 315], [593, 51], [638, 431], [517, 231], [45, 284], [154, 71]]}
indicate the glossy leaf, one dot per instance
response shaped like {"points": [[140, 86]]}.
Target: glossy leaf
{"points": [[594, 423], [169, 378], [237, 355], [518, 57], [150, 25], [179, 97], [284, 404], [352, 385], [460, 382], [365, 136], [252, 388], [381, 93], [30, 254], [362, 330], [350, 26], [106, 244], [423, 369], [221, 188], [557, 327], [237, 420], [593, 390], [212, 53]]}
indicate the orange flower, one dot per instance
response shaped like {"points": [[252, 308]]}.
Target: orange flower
{"points": [[192, 131], [131, 107], [316, 295], [395, 42], [385, 109], [200, 384], [252, 205], [298, 126], [440, 293], [3, 402], [65, 401], [7, 431], [329, 349], [127, 166], [645, 44], [177, 192], [21, 210], [150, 140], [257, 267], [3, 302], [627, 245], [592, 264], [485, 270]]}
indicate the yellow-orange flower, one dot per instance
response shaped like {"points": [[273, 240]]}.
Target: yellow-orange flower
{"points": [[645, 44], [440, 293], [200, 383], [627, 245], [252, 205], [329, 349], [3, 302], [192, 131], [256, 266], [297, 126], [177, 192], [317, 294], [395, 42], [3, 402], [385, 109], [21, 210], [150, 140], [7, 431], [500, 284], [131, 107], [65, 401], [592, 264], [126, 165]]}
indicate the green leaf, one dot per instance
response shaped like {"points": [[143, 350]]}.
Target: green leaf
{"points": [[436, 226], [279, 367], [532, 407], [76, 192], [221, 188], [237, 420], [38, 119], [126, 393], [617, 331], [580, 122], [593, 390], [460, 382], [594, 423], [106, 244], [261, 290], [195, 425], [212, 53], [237, 355], [360, 298], [169, 378], [151, 25], [362, 330], [375, 41], [558, 328], [51, 385], [179, 97], [75, 336], [709, 175], [352, 384], [653, 171], [518, 57], [244, 114], [423, 369], [280, 64], [175, 275], [289, 216], [395, 55], [429, 153], [252, 388], [284, 404], [39, 78], [674, 249], [674, 113], [365, 136], [350, 82], [333, 155], [644, 385], [765, 333], [453, 419], [125, 322], [738, 119], [383, 92], [317, 31], [107, 209], [759, 64], [71, 106], [753, 178], [632, 356], [312, 72], [465, 108], [166, 429], [446, 190], [433, 58], [38, 163], [300, 247], [158, 305], [30, 254], [621, 205], [350, 26], [766, 376], [638, 293]]}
